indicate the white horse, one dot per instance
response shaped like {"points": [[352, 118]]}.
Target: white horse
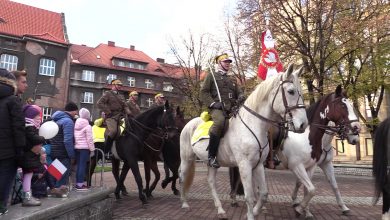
{"points": [[302, 152], [245, 143]]}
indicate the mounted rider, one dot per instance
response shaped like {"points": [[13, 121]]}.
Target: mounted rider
{"points": [[132, 104], [220, 93], [113, 104]]}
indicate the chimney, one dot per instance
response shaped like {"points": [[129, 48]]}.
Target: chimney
{"points": [[132, 47], [160, 60], [111, 43]]}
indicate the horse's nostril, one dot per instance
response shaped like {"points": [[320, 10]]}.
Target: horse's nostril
{"points": [[302, 126]]}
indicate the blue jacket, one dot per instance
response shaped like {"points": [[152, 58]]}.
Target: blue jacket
{"points": [[62, 145]]}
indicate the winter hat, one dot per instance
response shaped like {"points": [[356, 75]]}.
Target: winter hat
{"points": [[84, 113], [31, 111], [71, 106]]}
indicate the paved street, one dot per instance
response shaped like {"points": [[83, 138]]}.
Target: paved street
{"points": [[357, 192]]}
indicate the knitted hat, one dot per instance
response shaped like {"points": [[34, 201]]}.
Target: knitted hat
{"points": [[9, 83], [31, 111], [84, 113], [71, 106]]}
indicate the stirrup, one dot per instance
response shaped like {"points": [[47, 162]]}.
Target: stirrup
{"points": [[213, 163]]}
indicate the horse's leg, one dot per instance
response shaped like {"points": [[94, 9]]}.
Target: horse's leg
{"points": [[115, 172], [259, 174], [133, 164], [156, 172], [125, 171], [308, 214], [147, 176], [165, 182], [246, 179], [386, 204], [187, 173], [211, 178], [328, 169], [175, 176], [304, 177], [91, 169], [294, 195]]}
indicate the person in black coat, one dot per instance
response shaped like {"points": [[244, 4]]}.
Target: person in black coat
{"points": [[32, 151], [12, 135]]}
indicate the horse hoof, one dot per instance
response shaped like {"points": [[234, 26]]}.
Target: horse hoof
{"points": [[295, 205], [309, 218], [176, 192], [222, 216], [117, 196], [125, 193], [149, 196], [346, 212], [234, 204], [164, 184], [298, 211]]}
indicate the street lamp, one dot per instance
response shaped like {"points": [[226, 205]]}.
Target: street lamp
{"points": [[267, 17], [35, 90]]}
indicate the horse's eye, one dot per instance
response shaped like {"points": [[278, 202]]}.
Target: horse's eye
{"points": [[291, 92]]}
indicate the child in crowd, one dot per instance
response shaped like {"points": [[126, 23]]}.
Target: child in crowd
{"points": [[31, 160], [84, 147]]}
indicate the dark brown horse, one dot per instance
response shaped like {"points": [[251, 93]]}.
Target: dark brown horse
{"points": [[381, 166]]}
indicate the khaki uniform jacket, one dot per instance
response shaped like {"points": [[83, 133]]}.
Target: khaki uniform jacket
{"points": [[228, 89], [134, 108], [113, 104]]}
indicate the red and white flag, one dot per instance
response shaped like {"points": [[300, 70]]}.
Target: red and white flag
{"points": [[56, 169], [270, 64]]}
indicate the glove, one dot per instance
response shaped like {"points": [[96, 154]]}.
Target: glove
{"points": [[241, 99], [216, 105]]}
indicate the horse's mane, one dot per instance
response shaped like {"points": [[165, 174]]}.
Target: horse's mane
{"points": [[262, 91], [380, 160], [310, 111], [148, 113]]}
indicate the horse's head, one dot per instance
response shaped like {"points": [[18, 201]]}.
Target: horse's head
{"points": [[339, 110], [166, 121], [179, 119], [287, 100]]}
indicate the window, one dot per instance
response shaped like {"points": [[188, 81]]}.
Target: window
{"points": [[47, 67], [149, 84], [88, 75], [111, 77], [167, 86], [340, 149], [131, 81], [46, 112], [87, 97], [149, 102], [9, 62], [369, 147]]}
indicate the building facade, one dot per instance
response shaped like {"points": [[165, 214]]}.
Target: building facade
{"points": [[35, 40], [93, 68]]}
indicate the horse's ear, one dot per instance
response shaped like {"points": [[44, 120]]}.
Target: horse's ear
{"points": [[299, 71], [290, 70], [338, 91]]}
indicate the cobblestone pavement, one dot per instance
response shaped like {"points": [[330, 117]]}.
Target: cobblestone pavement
{"points": [[357, 192]]}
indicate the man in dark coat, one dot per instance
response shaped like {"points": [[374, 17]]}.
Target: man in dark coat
{"points": [[220, 104], [12, 135]]}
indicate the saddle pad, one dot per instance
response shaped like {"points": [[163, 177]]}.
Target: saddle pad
{"points": [[201, 132]]}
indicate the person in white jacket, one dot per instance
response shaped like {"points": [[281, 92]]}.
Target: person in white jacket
{"points": [[84, 147]]}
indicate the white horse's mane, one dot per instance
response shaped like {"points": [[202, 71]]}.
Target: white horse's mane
{"points": [[262, 91]]}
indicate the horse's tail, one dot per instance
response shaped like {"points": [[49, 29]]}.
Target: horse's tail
{"points": [[380, 160], [236, 186]]}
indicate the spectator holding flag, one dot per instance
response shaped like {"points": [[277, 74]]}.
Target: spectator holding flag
{"points": [[84, 147], [62, 147], [31, 157]]}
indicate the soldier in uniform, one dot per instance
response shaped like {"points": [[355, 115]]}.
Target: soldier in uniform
{"points": [[159, 100], [112, 103], [219, 109], [132, 104]]}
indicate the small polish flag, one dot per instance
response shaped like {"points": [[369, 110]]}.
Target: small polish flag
{"points": [[56, 169]]}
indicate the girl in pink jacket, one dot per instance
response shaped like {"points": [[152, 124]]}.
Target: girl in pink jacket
{"points": [[83, 145]]}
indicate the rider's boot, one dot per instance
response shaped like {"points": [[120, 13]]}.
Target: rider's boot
{"points": [[213, 149]]}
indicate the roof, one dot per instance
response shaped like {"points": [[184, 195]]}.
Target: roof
{"points": [[102, 56], [19, 20]]}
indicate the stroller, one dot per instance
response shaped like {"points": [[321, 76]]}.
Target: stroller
{"points": [[17, 190]]}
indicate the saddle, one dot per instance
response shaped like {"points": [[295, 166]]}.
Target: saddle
{"points": [[202, 131]]}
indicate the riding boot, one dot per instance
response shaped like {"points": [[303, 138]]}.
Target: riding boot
{"points": [[213, 149]]}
